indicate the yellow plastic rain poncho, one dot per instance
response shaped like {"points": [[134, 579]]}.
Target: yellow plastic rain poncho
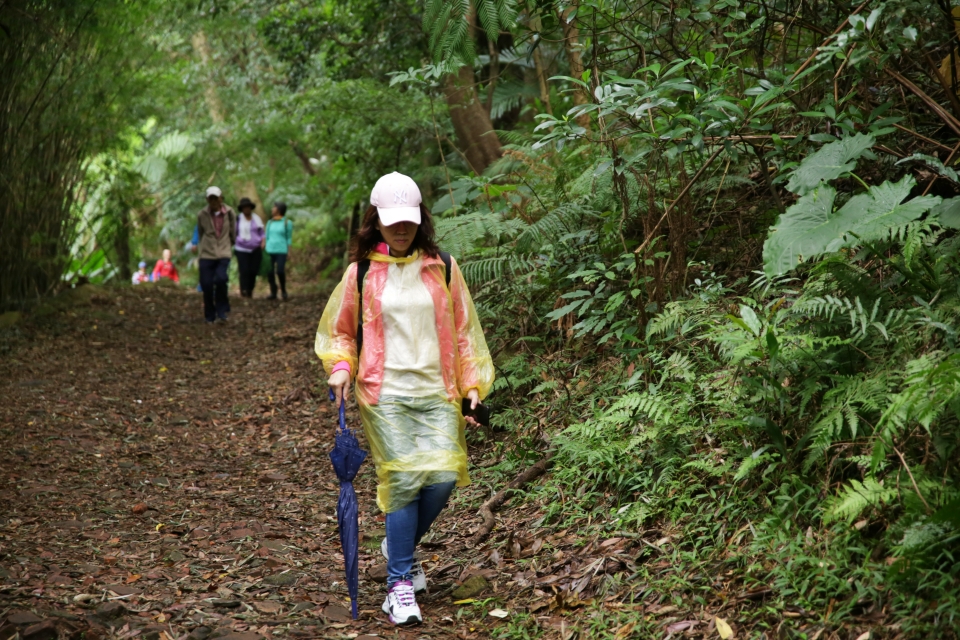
{"points": [[423, 350]]}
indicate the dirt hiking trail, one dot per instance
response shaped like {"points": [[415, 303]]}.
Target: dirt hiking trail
{"points": [[165, 479]]}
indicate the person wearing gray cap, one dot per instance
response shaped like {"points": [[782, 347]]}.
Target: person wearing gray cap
{"points": [[217, 227]]}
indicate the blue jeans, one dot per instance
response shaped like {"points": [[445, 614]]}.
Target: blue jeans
{"points": [[213, 283], [406, 526]]}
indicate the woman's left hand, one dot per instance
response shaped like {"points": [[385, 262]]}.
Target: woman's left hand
{"points": [[474, 397]]}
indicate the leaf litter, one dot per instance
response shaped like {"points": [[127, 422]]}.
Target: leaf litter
{"points": [[168, 480]]}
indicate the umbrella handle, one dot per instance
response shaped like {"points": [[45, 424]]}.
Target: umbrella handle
{"points": [[343, 411]]}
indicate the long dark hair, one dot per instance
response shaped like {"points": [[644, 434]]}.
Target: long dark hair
{"points": [[369, 236]]}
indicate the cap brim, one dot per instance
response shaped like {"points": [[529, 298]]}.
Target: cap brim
{"points": [[390, 216]]}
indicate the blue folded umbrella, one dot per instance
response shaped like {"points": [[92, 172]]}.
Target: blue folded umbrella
{"points": [[347, 456]]}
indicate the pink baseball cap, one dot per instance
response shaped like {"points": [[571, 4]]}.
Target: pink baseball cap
{"points": [[397, 199]]}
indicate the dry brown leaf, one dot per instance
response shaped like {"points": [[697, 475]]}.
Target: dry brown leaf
{"points": [[625, 631], [268, 606], [665, 609]]}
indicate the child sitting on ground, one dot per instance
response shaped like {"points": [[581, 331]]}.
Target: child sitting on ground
{"points": [[141, 275]]}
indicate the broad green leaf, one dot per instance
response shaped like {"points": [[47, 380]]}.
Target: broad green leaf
{"points": [[565, 309], [750, 318], [809, 228], [948, 213], [801, 232], [174, 146], [872, 215], [830, 162], [152, 168]]}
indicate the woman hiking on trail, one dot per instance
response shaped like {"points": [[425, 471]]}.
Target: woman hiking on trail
{"points": [[277, 241], [416, 354], [249, 246]]}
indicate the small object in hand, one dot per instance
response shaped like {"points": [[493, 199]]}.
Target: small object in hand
{"points": [[481, 414]]}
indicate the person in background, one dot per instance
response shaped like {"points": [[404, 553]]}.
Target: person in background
{"points": [[249, 246], [277, 241], [141, 275], [165, 269], [423, 355], [217, 228]]}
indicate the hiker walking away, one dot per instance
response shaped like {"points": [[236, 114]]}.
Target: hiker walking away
{"points": [[277, 241], [249, 245], [217, 228], [165, 269], [403, 324]]}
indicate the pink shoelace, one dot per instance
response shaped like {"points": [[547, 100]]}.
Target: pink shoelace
{"points": [[403, 591]]}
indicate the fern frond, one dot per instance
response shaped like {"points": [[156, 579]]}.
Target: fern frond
{"points": [[857, 497], [755, 460], [483, 270], [562, 220], [489, 18]]}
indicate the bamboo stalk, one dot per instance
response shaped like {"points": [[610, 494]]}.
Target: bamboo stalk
{"points": [[921, 136], [932, 104]]}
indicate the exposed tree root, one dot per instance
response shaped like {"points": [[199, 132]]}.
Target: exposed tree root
{"points": [[486, 510]]}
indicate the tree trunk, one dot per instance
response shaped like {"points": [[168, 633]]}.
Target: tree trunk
{"points": [[303, 157], [571, 45], [494, 73], [354, 215], [471, 122], [214, 106], [121, 242], [542, 80]]}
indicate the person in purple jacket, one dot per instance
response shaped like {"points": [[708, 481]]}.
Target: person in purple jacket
{"points": [[248, 247]]}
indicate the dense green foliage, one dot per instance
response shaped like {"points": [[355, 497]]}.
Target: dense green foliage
{"points": [[717, 257]]}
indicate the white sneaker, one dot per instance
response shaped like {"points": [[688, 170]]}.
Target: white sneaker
{"points": [[401, 604], [416, 571]]}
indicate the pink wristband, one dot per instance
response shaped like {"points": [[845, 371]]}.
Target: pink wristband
{"points": [[343, 365]]}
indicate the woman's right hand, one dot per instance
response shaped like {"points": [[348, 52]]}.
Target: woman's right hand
{"points": [[339, 383]]}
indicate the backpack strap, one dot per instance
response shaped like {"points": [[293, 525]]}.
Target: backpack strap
{"points": [[362, 267]]}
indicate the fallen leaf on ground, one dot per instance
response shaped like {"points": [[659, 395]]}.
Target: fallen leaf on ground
{"points": [[723, 628], [625, 631], [683, 625], [268, 606]]}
